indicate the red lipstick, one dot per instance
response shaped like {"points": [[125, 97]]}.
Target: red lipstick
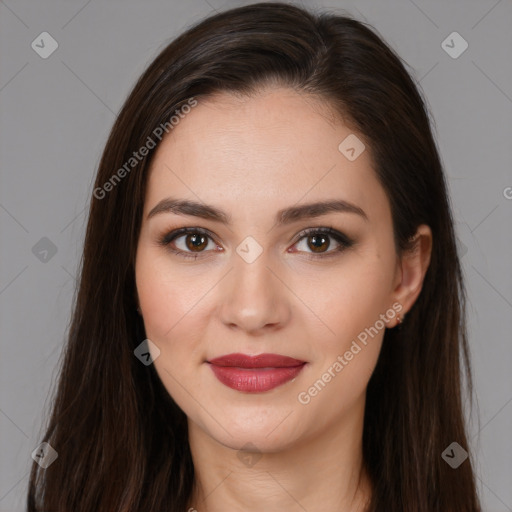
{"points": [[255, 374]]}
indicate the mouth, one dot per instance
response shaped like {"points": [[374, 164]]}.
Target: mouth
{"points": [[255, 374]]}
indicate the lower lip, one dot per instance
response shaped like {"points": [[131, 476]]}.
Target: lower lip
{"points": [[254, 380]]}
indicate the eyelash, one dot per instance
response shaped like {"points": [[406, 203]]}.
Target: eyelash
{"points": [[342, 239]]}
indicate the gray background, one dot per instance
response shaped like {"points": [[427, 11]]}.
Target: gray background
{"points": [[55, 117]]}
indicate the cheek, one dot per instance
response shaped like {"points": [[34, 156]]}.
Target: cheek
{"points": [[167, 295], [172, 311], [347, 299], [161, 308], [346, 352], [349, 302]]}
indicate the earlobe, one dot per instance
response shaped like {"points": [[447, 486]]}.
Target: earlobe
{"points": [[413, 266]]}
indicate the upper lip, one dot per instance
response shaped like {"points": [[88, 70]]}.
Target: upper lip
{"points": [[258, 361]]}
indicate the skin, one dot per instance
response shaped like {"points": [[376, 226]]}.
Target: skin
{"points": [[252, 157]]}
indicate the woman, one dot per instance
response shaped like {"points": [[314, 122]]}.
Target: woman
{"points": [[271, 308]]}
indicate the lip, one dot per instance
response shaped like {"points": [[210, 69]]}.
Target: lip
{"points": [[255, 374]]}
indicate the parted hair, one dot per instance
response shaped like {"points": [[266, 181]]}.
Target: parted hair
{"points": [[122, 441]]}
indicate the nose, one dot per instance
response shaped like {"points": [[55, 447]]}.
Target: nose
{"points": [[254, 297]]}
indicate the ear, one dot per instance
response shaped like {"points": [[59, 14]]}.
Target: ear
{"points": [[411, 269]]}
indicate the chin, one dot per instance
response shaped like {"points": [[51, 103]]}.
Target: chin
{"points": [[265, 436]]}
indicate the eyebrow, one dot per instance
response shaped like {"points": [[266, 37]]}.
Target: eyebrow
{"points": [[284, 216]]}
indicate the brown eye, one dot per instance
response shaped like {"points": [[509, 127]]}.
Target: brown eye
{"points": [[315, 242], [196, 242], [188, 242], [318, 243]]}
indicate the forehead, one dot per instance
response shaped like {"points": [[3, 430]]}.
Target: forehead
{"points": [[270, 149]]}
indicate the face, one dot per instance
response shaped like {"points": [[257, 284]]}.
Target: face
{"points": [[258, 273]]}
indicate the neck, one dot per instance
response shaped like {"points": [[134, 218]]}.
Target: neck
{"points": [[323, 472]]}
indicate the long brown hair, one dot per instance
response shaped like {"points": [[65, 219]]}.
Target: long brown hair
{"points": [[121, 440]]}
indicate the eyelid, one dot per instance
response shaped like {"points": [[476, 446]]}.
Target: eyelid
{"points": [[327, 230], [175, 233], [343, 240]]}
